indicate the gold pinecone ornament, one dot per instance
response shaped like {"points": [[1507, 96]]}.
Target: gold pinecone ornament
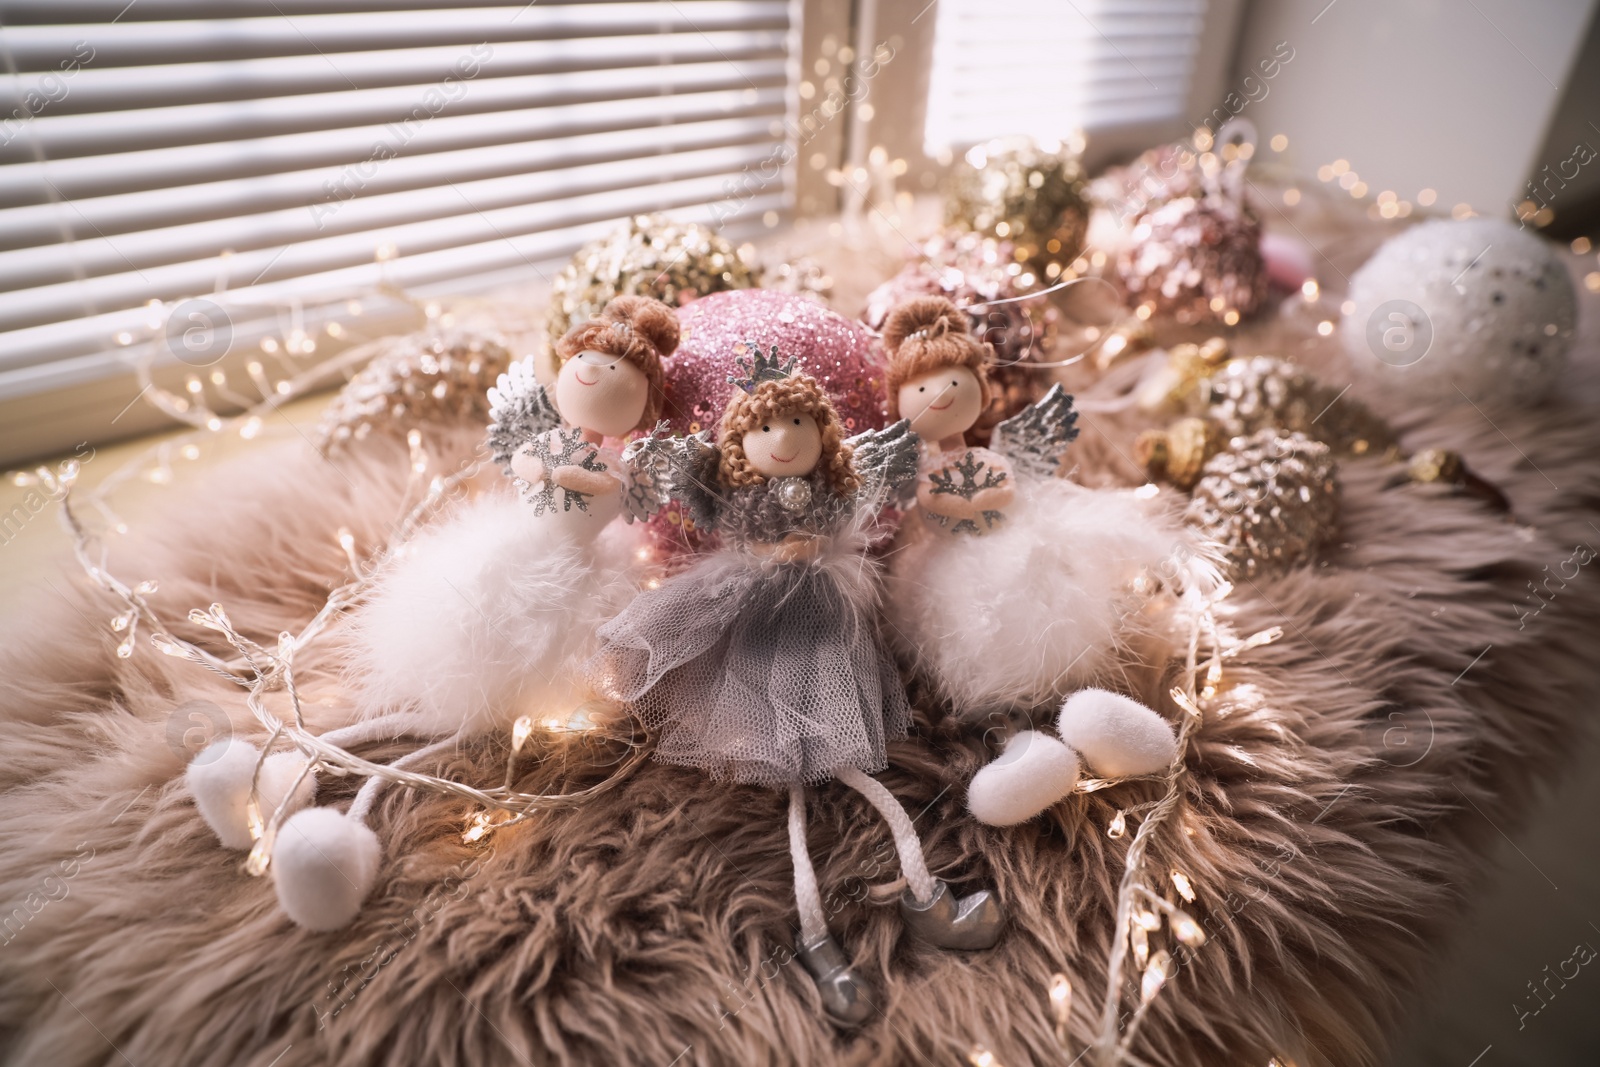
{"points": [[1257, 392], [416, 378], [1270, 499], [1249, 393]]}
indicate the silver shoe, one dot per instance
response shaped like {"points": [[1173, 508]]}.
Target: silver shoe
{"points": [[970, 922], [844, 994]]}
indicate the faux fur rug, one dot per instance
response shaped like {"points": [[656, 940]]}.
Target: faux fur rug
{"points": [[1338, 807]]}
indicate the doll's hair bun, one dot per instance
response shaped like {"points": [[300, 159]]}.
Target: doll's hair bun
{"points": [[650, 318], [923, 318], [928, 333]]}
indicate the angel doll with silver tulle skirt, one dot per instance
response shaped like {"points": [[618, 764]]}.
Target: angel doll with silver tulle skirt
{"points": [[488, 615], [1010, 587], [763, 662]]}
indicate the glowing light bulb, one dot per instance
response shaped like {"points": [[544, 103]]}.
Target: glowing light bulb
{"points": [[1186, 930], [520, 731], [1155, 976], [1060, 998], [1118, 827], [1181, 883], [478, 828]]}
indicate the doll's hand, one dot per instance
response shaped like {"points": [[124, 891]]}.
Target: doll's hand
{"points": [[591, 483], [996, 498], [948, 505], [529, 467]]}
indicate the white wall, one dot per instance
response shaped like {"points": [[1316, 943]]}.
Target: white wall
{"points": [[1453, 95]]}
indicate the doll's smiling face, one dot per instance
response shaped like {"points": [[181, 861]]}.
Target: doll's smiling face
{"points": [[784, 446], [941, 403], [601, 392]]}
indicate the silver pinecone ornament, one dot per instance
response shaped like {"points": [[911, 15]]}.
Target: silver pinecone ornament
{"points": [[1270, 499]]}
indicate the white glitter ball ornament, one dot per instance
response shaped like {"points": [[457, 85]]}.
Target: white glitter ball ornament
{"points": [[1476, 305]]}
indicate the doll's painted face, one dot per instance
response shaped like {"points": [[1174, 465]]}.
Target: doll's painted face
{"points": [[786, 445], [601, 392], [941, 403]]}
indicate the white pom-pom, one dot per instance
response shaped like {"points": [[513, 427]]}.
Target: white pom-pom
{"points": [[1034, 772], [323, 866], [219, 779], [1118, 737]]}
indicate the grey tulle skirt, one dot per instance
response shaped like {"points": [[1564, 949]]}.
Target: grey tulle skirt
{"points": [[758, 672]]}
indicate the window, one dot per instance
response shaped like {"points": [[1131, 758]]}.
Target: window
{"points": [[1049, 68], [287, 150]]}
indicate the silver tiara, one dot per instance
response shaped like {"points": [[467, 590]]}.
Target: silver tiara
{"points": [[761, 368]]}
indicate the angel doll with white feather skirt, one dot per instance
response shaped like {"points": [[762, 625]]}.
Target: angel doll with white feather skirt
{"points": [[763, 662], [1010, 586], [485, 617]]}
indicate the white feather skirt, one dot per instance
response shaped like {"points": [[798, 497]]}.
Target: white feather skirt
{"points": [[1045, 603], [490, 615]]}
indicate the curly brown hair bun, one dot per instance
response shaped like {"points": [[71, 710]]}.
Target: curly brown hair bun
{"points": [[929, 333], [797, 394], [639, 329]]}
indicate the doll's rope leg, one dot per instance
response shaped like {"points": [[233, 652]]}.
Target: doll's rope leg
{"points": [[813, 921], [928, 906], [385, 727], [844, 995], [906, 842], [368, 794]]}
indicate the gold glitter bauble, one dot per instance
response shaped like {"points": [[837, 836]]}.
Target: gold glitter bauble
{"points": [[649, 255], [1033, 194], [1197, 260], [803, 276], [1261, 392], [1270, 500], [415, 378]]}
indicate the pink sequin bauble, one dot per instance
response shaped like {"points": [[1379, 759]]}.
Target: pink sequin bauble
{"points": [[840, 354]]}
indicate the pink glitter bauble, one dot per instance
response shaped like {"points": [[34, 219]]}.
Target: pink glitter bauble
{"points": [[840, 354]]}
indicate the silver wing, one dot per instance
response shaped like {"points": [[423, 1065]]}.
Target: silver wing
{"points": [[648, 463], [663, 467], [520, 411], [695, 478], [885, 460], [1035, 439]]}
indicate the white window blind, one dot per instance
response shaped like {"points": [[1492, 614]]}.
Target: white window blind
{"points": [[1048, 68], [161, 149]]}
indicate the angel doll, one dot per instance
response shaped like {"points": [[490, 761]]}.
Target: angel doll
{"points": [[762, 663], [488, 616], [1009, 585]]}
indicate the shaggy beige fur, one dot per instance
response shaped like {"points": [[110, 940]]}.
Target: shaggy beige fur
{"points": [[1338, 805]]}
